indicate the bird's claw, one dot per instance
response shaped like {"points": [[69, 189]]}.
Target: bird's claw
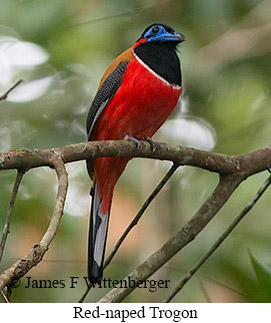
{"points": [[152, 143], [138, 145]]}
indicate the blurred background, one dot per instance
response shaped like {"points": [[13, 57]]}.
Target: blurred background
{"points": [[60, 49]]}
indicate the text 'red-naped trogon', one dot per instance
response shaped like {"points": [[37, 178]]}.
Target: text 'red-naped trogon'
{"points": [[136, 95]]}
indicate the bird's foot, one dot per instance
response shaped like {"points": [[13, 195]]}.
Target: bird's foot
{"points": [[138, 145], [151, 142]]}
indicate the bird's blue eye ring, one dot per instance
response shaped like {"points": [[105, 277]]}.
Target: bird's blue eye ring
{"points": [[155, 29]]}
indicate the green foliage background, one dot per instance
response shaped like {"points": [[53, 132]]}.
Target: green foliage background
{"points": [[225, 107]]}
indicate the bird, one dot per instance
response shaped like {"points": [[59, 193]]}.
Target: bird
{"points": [[135, 96]]}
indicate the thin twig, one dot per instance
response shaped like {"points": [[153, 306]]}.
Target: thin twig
{"points": [[11, 275], [5, 95], [62, 177], [141, 211], [135, 221], [219, 241], [4, 296], [82, 298], [10, 212], [117, 15], [136, 11]]}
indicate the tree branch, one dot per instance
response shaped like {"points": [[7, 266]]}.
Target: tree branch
{"points": [[247, 164], [232, 170], [9, 212], [219, 241], [5, 95], [191, 229], [10, 276]]}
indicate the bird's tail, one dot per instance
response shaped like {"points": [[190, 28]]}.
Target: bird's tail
{"points": [[97, 237]]}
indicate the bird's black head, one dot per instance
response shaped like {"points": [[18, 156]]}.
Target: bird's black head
{"points": [[157, 48], [162, 33]]}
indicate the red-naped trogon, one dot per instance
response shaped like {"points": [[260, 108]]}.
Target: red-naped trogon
{"points": [[136, 95]]}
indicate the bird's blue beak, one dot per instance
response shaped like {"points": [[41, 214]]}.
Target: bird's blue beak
{"points": [[180, 37], [176, 37], [167, 36]]}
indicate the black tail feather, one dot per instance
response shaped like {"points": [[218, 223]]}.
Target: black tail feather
{"points": [[98, 226]]}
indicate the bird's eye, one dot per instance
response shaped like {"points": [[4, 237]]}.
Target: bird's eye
{"points": [[155, 29]]}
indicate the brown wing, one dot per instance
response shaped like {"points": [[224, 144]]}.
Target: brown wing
{"points": [[126, 56]]}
